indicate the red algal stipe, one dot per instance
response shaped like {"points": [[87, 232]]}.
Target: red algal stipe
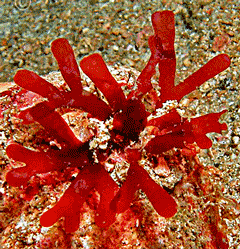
{"points": [[129, 119]]}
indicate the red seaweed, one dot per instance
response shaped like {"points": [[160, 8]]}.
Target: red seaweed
{"points": [[129, 120], [95, 67]]}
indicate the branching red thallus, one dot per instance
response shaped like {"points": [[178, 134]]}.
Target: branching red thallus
{"points": [[129, 120]]}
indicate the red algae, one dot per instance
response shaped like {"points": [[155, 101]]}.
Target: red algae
{"points": [[128, 119]]}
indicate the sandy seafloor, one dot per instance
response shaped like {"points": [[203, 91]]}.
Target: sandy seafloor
{"points": [[119, 31]]}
